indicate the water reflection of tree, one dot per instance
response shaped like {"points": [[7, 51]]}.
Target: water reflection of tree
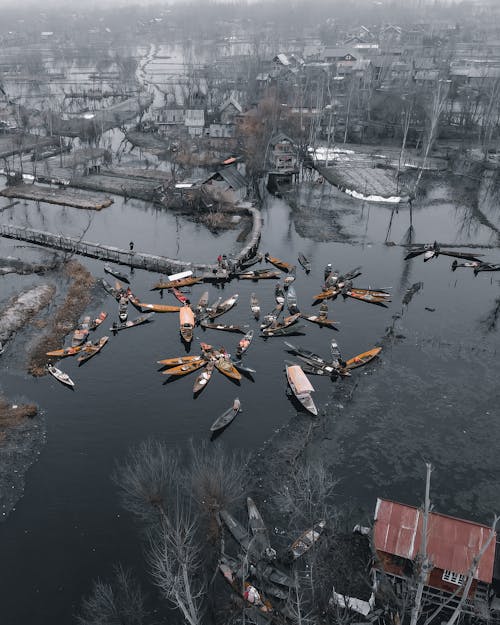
{"points": [[490, 322]]}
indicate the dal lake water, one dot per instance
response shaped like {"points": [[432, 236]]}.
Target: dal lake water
{"points": [[433, 395]]}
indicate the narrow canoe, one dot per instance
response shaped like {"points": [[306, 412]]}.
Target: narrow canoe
{"points": [[226, 417], [261, 275], [61, 376], [258, 527], [132, 323], [282, 331], [183, 299], [65, 351], [244, 344], [159, 286], [301, 387], [254, 306], [180, 360], [373, 292], [250, 594], [280, 264], [321, 321], [252, 261], [185, 368], [110, 289], [204, 378], [159, 308], [362, 359], [368, 298], [91, 350], [328, 294], [306, 540], [304, 262], [224, 327], [223, 307], [227, 368], [116, 274]]}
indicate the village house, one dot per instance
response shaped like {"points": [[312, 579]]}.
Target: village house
{"points": [[229, 182], [452, 545], [194, 120]]}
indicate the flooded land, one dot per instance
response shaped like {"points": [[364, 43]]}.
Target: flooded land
{"points": [[197, 148]]}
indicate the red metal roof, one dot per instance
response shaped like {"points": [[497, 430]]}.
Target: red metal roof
{"points": [[452, 543]]}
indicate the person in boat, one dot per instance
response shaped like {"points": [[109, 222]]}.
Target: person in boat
{"points": [[115, 325], [323, 310], [131, 246]]}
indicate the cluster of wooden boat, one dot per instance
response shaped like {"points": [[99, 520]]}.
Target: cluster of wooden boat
{"points": [[254, 573]]}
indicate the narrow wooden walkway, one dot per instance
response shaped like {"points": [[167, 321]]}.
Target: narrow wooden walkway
{"points": [[138, 260]]}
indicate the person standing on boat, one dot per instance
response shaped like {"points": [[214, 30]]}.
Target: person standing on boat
{"points": [[323, 310], [131, 246]]}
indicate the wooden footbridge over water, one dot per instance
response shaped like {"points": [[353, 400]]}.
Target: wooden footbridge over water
{"points": [[137, 260]]}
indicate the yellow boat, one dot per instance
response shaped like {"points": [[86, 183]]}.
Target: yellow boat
{"points": [[159, 308], [329, 293], [66, 351]]}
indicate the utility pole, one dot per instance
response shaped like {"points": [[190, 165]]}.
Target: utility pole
{"points": [[425, 564]]}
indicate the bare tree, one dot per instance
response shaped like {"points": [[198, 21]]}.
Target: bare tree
{"points": [[121, 601]]}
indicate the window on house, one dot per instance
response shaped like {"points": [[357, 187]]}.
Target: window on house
{"points": [[453, 578]]}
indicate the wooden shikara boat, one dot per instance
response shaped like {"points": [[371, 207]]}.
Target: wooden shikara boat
{"points": [[91, 350], [305, 353], [291, 301], [186, 323], [328, 294], [250, 594], [116, 274], [226, 417], [280, 264], [175, 284], [254, 306], [204, 378], [306, 540], [279, 294], [258, 528], [123, 309], [159, 308], [252, 261], [486, 267], [227, 368], [261, 274], [320, 321], [223, 307], [183, 299], [282, 331], [81, 333], [179, 360], [185, 368], [301, 387], [132, 323], [114, 292], [61, 376], [244, 344], [225, 327], [325, 370], [65, 351], [369, 298], [372, 292], [98, 320], [362, 359], [291, 319], [304, 262], [289, 278], [200, 310]]}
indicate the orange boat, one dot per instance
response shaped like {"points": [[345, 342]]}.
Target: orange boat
{"points": [[328, 294], [159, 308], [362, 359], [66, 351], [159, 286], [286, 267], [186, 320], [179, 360], [187, 367], [321, 321], [227, 368]]}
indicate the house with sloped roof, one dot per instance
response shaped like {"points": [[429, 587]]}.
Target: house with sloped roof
{"points": [[229, 182], [229, 110], [453, 546]]}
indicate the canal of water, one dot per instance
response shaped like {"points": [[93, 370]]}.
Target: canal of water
{"points": [[433, 394]]}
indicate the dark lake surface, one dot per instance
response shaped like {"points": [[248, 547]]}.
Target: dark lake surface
{"points": [[433, 394]]}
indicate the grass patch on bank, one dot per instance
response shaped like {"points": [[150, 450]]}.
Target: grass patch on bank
{"points": [[14, 414], [66, 316]]}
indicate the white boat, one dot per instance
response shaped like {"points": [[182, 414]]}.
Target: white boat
{"points": [[301, 387], [180, 276], [61, 376]]}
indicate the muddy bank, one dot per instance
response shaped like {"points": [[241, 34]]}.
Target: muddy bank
{"points": [[65, 318], [22, 433], [62, 197], [22, 308], [16, 265]]}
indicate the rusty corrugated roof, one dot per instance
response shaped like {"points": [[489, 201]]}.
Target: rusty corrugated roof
{"points": [[452, 543]]}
